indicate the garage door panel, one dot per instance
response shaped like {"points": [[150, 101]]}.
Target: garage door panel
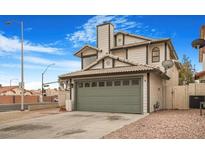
{"points": [[106, 92], [109, 100], [111, 108], [126, 99]]}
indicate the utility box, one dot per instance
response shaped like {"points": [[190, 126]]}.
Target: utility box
{"points": [[194, 101]]}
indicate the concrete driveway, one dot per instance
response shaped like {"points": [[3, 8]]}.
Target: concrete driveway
{"points": [[80, 125]]}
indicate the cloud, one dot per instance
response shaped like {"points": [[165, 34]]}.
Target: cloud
{"points": [[63, 64], [5, 79], [33, 62], [37, 85], [12, 45], [87, 32]]}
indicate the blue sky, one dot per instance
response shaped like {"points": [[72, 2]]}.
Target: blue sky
{"points": [[54, 39]]}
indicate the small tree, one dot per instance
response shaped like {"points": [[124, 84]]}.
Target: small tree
{"points": [[186, 74]]}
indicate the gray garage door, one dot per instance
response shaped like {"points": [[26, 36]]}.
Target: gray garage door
{"points": [[111, 95]]}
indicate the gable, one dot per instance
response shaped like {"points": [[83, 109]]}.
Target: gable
{"points": [[109, 62], [87, 50]]}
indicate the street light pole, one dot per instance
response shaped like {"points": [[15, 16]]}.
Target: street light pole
{"points": [[42, 80], [22, 67], [22, 60]]}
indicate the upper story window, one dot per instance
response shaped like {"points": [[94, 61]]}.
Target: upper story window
{"points": [[155, 54]]}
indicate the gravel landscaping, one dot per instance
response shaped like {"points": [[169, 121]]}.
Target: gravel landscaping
{"points": [[167, 124]]}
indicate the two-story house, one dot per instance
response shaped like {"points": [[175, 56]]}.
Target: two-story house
{"points": [[123, 73]]}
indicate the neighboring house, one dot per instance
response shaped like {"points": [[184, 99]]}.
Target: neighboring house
{"points": [[123, 73], [36, 92], [12, 90], [201, 75], [51, 92]]}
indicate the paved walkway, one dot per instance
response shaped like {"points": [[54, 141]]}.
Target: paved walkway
{"points": [[68, 125]]}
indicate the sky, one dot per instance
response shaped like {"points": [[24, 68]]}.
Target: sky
{"points": [[54, 39]]}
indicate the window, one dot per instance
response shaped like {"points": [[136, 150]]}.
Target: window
{"points": [[101, 84], [87, 84], [135, 82], [155, 54], [125, 83], [80, 85], [117, 83], [94, 84], [109, 83]]}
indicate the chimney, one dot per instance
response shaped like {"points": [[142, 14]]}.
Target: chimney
{"points": [[202, 50], [105, 37], [0, 85], [202, 32]]}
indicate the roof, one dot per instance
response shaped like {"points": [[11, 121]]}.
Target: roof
{"points": [[140, 43], [134, 35], [199, 74], [84, 48], [116, 70], [147, 43], [7, 88]]}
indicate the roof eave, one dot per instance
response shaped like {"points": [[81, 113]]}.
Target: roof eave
{"points": [[81, 50], [104, 74]]}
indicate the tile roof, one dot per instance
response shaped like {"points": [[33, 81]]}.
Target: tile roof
{"points": [[107, 71], [7, 88], [134, 35], [140, 43], [199, 74], [84, 47], [113, 57]]}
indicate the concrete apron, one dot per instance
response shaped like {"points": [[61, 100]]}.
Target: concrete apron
{"points": [[76, 125]]}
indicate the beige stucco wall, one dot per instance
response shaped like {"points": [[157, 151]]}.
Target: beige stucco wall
{"points": [[120, 53], [89, 52], [161, 47], [137, 54], [131, 39], [62, 97], [144, 82], [156, 88], [177, 97], [173, 73], [103, 38], [97, 66], [108, 63], [111, 36], [120, 64], [203, 63], [119, 40]]}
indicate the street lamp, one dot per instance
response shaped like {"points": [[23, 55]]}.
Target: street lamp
{"points": [[22, 60], [42, 84]]}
